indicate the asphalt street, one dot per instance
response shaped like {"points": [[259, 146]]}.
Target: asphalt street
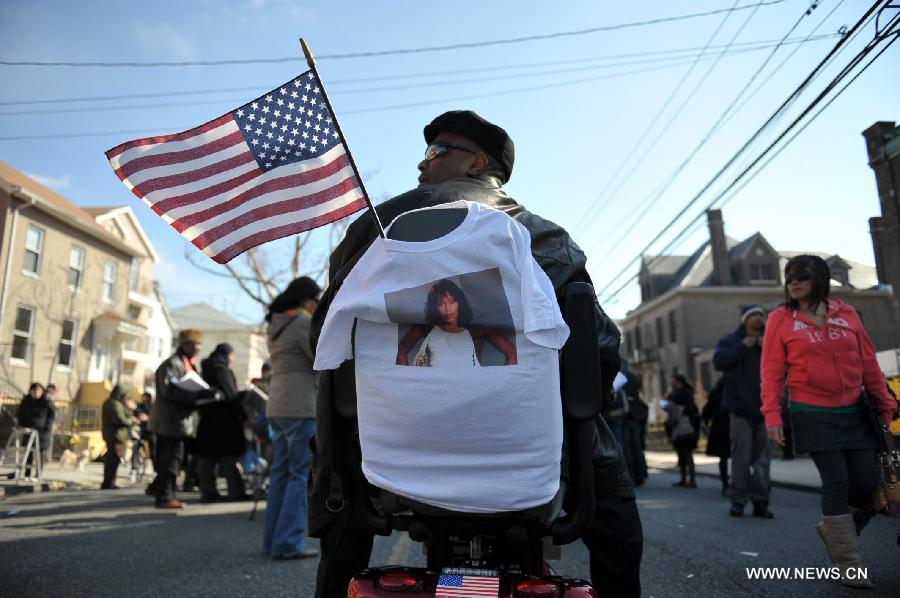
{"points": [[113, 543]]}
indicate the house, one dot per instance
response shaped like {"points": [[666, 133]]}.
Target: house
{"points": [[76, 299], [248, 340], [689, 301]]}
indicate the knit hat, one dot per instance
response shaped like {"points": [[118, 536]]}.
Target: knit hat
{"points": [[190, 335], [487, 135], [749, 310]]}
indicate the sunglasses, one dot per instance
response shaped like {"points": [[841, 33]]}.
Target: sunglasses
{"points": [[438, 149], [802, 277]]}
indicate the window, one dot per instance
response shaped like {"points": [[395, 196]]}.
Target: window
{"points": [[22, 332], [762, 273], [67, 343], [134, 313], [663, 382], [637, 338], [660, 339], [34, 246], [840, 275], [628, 346], [135, 274], [86, 419], [109, 282], [673, 328], [76, 267]]}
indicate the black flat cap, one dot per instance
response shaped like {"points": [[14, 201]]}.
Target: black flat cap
{"points": [[487, 135]]}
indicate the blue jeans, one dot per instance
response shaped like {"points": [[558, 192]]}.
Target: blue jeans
{"points": [[286, 503]]}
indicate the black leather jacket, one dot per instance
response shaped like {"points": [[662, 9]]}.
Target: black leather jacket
{"points": [[174, 411], [558, 256]]}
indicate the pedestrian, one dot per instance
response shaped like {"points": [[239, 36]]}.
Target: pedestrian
{"points": [[220, 433], [717, 422], [36, 411], [291, 413], [738, 356], [116, 425], [823, 350], [470, 158], [171, 418], [142, 413], [635, 429], [682, 427]]}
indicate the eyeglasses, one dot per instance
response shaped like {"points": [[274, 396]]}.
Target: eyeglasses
{"points": [[437, 149], [802, 277]]}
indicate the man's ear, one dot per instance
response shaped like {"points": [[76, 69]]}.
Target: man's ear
{"points": [[479, 164]]}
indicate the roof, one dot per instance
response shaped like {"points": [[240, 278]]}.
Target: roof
{"points": [[102, 214], [206, 317], [13, 180], [696, 270]]}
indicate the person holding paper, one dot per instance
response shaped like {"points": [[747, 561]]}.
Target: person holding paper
{"points": [[171, 416]]}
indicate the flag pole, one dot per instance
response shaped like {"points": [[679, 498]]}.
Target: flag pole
{"points": [[312, 65]]}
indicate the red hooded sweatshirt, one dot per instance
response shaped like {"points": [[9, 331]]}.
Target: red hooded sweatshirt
{"points": [[826, 366]]}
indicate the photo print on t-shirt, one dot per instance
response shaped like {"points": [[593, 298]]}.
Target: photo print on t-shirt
{"points": [[461, 321]]}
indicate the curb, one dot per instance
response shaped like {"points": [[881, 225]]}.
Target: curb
{"points": [[774, 483]]}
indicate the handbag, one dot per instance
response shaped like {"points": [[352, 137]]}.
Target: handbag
{"points": [[684, 429], [886, 499]]}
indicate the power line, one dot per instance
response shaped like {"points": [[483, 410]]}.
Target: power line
{"points": [[587, 219], [751, 46], [691, 227], [680, 60], [597, 207], [460, 46], [364, 110], [759, 131], [657, 193]]}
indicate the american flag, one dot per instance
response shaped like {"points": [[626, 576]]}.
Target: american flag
{"points": [[274, 167], [466, 586]]}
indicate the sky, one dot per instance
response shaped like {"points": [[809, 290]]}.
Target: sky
{"points": [[600, 119]]}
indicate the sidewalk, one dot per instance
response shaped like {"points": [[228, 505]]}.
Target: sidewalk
{"points": [[68, 478], [797, 474]]}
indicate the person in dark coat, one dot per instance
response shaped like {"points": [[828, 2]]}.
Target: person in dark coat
{"points": [[171, 417], [36, 411], [737, 356], [681, 406], [220, 434], [635, 429], [470, 158], [116, 425], [715, 418]]}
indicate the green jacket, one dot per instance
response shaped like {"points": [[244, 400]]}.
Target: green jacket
{"points": [[116, 422]]}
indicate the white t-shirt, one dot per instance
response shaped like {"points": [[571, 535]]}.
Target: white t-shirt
{"points": [[457, 369]]}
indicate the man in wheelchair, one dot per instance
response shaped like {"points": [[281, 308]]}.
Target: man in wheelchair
{"points": [[466, 319]]}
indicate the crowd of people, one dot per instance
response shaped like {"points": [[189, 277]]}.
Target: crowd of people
{"points": [[206, 431]]}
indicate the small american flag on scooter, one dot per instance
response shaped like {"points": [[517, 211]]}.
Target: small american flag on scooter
{"points": [[466, 586]]}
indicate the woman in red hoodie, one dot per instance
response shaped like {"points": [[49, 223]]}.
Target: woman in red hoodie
{"points": [[822, 349]]}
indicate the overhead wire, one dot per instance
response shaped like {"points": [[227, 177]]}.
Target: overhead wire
{"points": [[668, 62], [589, 217], [650, 201], [790, 99], [855, 61], [363, 110], [598, 205], [399, 51], [750, 45], [697, 222]]}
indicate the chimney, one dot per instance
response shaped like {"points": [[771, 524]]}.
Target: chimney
{"points": [[721, 267]]}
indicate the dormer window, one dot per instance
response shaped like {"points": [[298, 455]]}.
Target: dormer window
{"points": [[840, 275], [762, 273]]}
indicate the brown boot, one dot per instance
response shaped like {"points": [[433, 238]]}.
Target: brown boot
{"points": [[839, 534]]}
